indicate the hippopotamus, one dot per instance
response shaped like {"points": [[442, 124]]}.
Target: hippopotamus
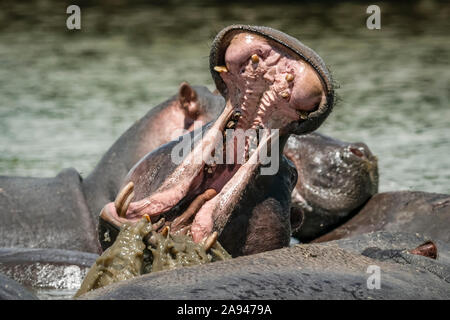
{"points": [[343, 269], [62, 212], [401, 211], [45, 273], [273, 84], [335, 179], [12, 290]]}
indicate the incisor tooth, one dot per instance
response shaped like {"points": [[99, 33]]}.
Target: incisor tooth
{"points": [[255, 58], [289, 77]]}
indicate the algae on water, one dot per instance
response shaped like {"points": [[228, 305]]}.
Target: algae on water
{"points": [[139, 249]]}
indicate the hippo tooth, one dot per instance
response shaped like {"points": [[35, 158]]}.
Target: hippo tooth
{"points": [[289, 77], [284, 94], [125, 205], [165, 231], [193, 208], [220, 69], [303, 114], [255, 58], [210, 241], [123, 195], [230, 124]]}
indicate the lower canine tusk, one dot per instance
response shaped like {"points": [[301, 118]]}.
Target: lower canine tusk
{"points": [[210, 241], [123, 195], [194, 207]]}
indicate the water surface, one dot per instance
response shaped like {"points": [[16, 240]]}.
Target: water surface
{"points": [[66, 96]]}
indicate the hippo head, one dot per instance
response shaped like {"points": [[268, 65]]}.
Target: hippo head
{"points": [[271, 83], [334, 179]]}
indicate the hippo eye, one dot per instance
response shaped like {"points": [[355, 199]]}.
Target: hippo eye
{"points": [[356, 152]]}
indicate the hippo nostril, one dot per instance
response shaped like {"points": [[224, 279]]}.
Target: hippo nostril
{"points": [[356, 152]]}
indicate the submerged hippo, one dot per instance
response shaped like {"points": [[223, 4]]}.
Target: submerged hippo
{"points": [[341, 269], [12, 290], [402, 211], [335, 178], [61, 212], [47, 273], [270, 81]]}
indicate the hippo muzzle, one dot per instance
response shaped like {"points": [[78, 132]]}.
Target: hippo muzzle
{"points": [[272, 84]]}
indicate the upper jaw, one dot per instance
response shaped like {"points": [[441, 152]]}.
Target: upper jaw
{"points": [[282, 45]]}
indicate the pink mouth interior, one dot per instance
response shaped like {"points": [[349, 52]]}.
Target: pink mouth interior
{"points": [[270, 87]]}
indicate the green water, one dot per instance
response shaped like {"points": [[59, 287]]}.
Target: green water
{"points": [[66, 96]]}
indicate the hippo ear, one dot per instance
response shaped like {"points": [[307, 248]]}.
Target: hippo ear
{"points": [[188, 99]]}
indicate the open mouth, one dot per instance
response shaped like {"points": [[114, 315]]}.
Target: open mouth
{"points": [[270, 90]]}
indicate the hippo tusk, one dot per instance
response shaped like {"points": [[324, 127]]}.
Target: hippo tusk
{"points": [[165, 231], [124, 208], [194, 207], [210, 241], [220, 69], [123, 195]]}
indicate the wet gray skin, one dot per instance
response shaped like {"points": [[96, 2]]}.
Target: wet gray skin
{"points": [[335, 178], [269, 80], [402, 211], [12, 290], [62, 212], [333, 270], [47, 273]]}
